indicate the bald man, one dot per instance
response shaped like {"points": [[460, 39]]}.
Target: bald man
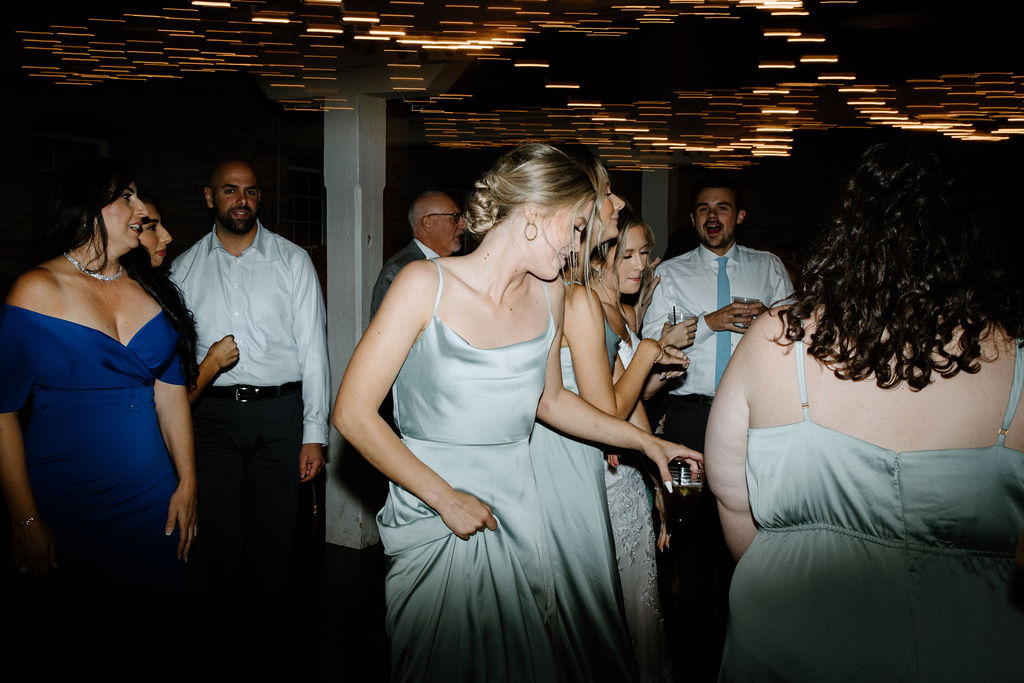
{"points": [[261, 425], [437, 228]]}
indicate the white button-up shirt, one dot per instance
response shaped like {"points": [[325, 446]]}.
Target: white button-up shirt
{"points": [[269, 299], [689, 282]]}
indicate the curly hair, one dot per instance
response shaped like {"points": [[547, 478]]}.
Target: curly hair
{"points": [[901, 273]]}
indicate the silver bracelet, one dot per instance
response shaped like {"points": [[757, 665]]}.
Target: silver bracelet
{"points": [[24, 522]]}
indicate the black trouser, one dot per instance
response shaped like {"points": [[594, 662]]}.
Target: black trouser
{"points": [[701, 566], [247, 459]]}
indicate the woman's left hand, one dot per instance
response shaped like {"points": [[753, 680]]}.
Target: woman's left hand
{"points": [[671, 355], [182, 512], [675, 358]]}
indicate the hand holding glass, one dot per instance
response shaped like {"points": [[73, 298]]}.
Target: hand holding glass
{"points": [[748, 301]]}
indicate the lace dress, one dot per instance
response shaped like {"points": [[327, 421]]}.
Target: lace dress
{"points": [[629, 506]]}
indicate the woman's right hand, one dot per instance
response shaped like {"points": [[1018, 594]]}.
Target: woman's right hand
{"points": [[465, 515], [32, 548], [661, 452], [224, 352]]}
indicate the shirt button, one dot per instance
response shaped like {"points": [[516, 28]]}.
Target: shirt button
{"points": [[236, 314]]}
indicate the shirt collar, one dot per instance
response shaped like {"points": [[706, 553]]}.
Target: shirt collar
{"points": [[259, 242], [430, 253], [709, 257]]}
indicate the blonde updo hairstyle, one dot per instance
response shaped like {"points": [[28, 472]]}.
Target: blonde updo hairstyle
{"points": [[533, 172]]}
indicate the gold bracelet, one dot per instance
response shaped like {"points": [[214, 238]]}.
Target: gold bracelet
{"points": [[660, 355]]}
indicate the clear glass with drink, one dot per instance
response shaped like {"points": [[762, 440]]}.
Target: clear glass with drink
{"points": [[745, 300], [686, 488]]}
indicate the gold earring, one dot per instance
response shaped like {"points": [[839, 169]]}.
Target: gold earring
{"points": [[526, 231]]}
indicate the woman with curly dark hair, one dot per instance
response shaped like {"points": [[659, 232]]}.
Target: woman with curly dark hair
{"points": [[865, 448]]}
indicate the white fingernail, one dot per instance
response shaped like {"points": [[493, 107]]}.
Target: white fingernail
{"points": [[668, 485]]}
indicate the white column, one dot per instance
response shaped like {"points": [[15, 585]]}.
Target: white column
{"points": [[354, 175], [658, 206]]}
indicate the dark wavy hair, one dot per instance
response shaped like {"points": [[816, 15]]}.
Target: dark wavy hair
{"points": [[70, 214], [158, 285], [902, 271], [72, 217]]}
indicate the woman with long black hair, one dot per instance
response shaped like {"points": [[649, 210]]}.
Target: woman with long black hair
{"points": [[96, 456]]}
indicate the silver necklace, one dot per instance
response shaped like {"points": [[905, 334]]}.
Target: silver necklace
{"points": [[93, 273]]}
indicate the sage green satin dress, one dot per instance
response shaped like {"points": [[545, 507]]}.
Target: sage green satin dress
{"points": [[475, 610], [875, 565], [591, 632]]}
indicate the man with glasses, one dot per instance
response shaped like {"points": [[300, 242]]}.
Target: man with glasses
{"points": [[437, 229]]}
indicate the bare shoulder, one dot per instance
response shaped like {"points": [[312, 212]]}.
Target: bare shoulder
{"points": [[39, 289], [582, 302], [766, 338], [415, 288]]}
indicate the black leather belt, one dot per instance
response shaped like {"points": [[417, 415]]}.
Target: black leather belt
{"points": [[244, 392], [699, 399]]}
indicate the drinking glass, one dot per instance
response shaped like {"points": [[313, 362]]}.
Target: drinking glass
{"points": [[686, 488], [745, 300]]}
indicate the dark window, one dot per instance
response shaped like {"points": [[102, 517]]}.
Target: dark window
{"points": [[53, 152], [306, 200]]}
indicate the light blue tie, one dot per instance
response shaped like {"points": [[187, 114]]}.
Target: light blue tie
{"points": [[723, 339]]}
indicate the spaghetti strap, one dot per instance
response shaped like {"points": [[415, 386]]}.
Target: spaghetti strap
{"points": [[1015, 391], [440, 284], [798, 347], [547, 296]]}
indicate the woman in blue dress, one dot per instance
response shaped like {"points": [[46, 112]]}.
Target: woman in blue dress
{"points": [[96, 460], [470, 345]]}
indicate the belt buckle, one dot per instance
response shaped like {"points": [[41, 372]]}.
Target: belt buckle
{"points": [[238, 396]]}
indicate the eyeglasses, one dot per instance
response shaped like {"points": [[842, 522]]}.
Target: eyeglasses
{"points": [[456, 216]]}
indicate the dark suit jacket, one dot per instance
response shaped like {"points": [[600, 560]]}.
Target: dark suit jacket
{"points": [[389, 271]]}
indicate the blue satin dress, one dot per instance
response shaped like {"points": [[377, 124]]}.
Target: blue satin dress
{"points": [[474, 610], [97, 463]]}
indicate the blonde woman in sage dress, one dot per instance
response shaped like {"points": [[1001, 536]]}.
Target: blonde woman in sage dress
{"points": [[468, 343], [577, 521]]}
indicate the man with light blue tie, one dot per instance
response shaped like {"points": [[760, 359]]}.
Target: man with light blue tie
{"points": [[698, 288]]}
